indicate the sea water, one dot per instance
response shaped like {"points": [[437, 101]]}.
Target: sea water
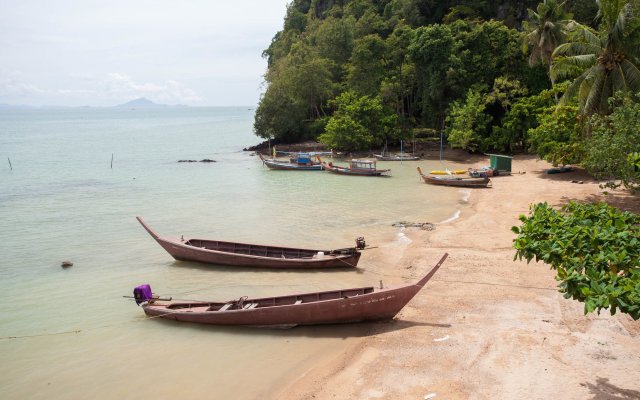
{"points": [[73, 182]]}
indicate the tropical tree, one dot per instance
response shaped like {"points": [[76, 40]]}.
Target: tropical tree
{"points": [[358, 123], [606, 61], [467, 122], [546, 29], [613, 148]]}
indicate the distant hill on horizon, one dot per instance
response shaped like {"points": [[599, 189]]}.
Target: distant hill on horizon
{"points": [[143, 102]]}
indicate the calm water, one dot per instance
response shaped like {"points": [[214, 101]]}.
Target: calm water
{"points": [[69, 333]]}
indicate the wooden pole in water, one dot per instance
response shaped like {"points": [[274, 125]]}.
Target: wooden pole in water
{"points": [[10, 166], [111, 160]]}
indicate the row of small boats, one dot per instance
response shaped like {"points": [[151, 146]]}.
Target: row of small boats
{"points": [[324, 307], [313, 162], [357, 167]]}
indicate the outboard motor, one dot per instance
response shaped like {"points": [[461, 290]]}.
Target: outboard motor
{"points": [[142, 294], [360, 243]]}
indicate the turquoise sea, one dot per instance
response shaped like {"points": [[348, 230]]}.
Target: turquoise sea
{"points": [[70, 334]]}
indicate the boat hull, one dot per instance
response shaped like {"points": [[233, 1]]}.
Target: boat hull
{"points": [[230, 254], [332, 307], [289, 166], [396, 158], [336, 169], [380, 305], [455, 181], [184, 252]]}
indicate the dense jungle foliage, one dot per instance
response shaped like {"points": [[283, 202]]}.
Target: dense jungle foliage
{"points": [[523, 76]]}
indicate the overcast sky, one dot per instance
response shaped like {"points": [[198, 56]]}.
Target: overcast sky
{"points": [[102, 53]]}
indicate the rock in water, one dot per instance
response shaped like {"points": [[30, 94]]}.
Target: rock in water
{"points": [[67, 264]]}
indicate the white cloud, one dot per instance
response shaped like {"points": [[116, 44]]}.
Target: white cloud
{"points": [[122, 87], [12, 84]]}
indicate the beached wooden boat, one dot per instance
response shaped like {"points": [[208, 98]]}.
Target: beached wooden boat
{"points": [[299, 162], [453, 180], [356, 167], [329, 307], [252, 255], [447, 172], [396, 157], [487, 172], [560, 170]]}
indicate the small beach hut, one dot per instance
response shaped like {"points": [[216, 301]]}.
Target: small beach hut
{"points": [[500, 162]]}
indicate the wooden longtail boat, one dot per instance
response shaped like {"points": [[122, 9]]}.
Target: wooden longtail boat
{"points": [[356, 167], [447, 172], [560, 170], [252, 255], [301, 162], [396, 157], [452, 180], [332, 307]]}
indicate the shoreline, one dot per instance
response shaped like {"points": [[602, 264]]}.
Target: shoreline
{"points": [[486, 326]]}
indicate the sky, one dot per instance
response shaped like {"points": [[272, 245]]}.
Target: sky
{"points": [[104, 53]]}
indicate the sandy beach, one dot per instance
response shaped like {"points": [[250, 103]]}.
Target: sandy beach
{"points": [[486, 326]]}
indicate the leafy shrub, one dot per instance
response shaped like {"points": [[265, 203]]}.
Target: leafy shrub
{"points": [[594, 248]]}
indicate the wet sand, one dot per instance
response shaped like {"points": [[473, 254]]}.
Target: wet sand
{"points": [[486, 326]]}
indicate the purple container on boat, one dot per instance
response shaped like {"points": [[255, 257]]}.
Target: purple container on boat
{"points": [[142, 293]]}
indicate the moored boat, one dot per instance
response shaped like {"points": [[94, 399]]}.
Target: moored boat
{"points": [[560, 170], [453, 180], [299, 162], [327, 307], [448, 172], [396, 157], [253, 255], [355, 167]]}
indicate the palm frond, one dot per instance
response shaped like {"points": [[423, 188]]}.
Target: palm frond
{"points": [[576, 49], [590, 94], [583, 34], [617, 31], [572, 90], [618, 79], [632, 75], [606, 92], [564, 67]]}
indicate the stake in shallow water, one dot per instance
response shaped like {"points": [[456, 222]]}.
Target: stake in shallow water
{"points": [[10, 166]]}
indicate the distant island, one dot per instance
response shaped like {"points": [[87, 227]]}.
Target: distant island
{"points": [[143, 102]]}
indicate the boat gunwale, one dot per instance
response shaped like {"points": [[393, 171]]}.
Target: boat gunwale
{"points": [[367, 291]]}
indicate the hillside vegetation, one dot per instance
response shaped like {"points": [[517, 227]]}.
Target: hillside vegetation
{"points": [[499, 76]]}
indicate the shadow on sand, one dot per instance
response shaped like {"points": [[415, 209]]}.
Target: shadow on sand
{"points": [[353, 330], [603, 390]]}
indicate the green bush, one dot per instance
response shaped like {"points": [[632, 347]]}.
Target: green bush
{"points": [[594, 248]]}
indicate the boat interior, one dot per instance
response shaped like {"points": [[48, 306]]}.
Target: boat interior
{"points": [[263, 251], [248, 304]]}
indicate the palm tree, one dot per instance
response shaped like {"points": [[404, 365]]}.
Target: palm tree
{"points": [[546, 30], [606, 61]]}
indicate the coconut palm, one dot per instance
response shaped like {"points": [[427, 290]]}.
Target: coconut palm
{"points": [[605, 61], [546, 29]]}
